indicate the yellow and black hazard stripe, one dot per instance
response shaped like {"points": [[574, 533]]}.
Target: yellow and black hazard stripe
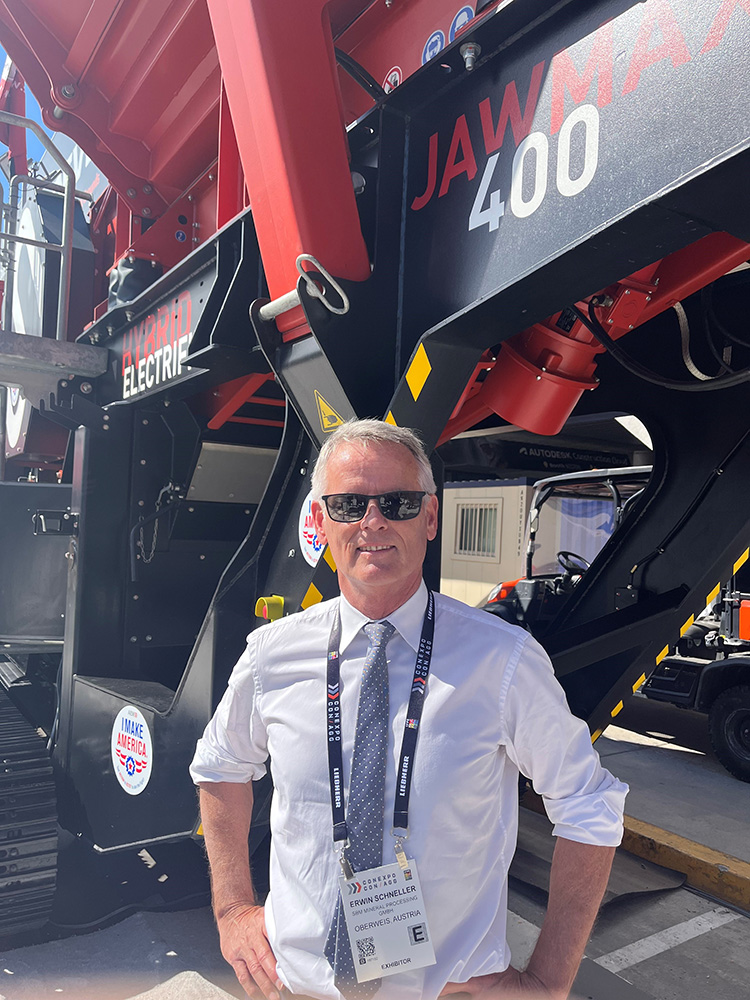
{"points": [[324, 584], [431, 386], [710, 598]]}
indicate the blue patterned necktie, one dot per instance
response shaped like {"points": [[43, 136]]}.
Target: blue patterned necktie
{"points": [[366, 805]]}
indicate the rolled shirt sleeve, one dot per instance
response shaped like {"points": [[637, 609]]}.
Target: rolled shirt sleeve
{"points": [[553, 748], [234, 744]]}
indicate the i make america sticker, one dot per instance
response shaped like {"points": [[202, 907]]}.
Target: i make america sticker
{"points": [[132, 754]]}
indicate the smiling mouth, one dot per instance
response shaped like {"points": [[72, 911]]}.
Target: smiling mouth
{"points": [[374, 548]]}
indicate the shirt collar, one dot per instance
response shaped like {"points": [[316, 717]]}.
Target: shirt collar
{"points": [[407, 619]]}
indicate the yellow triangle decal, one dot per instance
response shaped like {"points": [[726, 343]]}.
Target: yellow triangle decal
{"points": [[329, 418]]}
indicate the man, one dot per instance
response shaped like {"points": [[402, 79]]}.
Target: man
{"points": [[491, 708]]}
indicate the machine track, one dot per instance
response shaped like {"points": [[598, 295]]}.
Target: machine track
{"points": [[28, 824]]}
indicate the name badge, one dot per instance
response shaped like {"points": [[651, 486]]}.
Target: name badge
{"points": [[386, 921]]}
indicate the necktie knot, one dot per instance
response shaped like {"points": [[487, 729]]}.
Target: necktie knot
{"points": [[379, 633]]}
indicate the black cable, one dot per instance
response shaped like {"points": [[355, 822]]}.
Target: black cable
{"points": [[635, 368], [360, 75]]}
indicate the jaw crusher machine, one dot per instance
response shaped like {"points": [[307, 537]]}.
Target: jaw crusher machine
{"points": [[442, 215]]}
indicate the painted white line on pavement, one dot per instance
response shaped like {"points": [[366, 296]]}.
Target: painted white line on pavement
{"points": [[662, 941]]}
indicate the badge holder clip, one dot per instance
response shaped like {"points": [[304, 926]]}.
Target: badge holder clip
{"points": [[400, 836]]}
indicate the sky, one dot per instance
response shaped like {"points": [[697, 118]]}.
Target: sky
{"points": [[33, 146]]}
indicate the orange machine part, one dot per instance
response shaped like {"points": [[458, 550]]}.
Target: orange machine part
{"points": [[745, 620]]}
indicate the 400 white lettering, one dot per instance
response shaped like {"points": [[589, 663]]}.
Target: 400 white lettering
{"points": [[532, 160]]}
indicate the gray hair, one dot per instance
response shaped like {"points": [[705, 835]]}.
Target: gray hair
{"points": [[372, 432]]}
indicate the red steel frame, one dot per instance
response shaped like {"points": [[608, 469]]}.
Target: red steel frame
{"points": [[291, 142]]}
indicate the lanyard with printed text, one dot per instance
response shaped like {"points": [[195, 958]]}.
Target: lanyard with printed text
{"points": [[408, 744]]}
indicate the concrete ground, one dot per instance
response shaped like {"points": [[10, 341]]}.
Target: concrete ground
{"points": [[676, 783], [674, 945]]}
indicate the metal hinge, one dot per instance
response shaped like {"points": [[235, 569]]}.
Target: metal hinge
{"points": [[55, 522]]}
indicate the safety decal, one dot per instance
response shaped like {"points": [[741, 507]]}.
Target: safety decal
{"points": [[329, 418], [434, 44], [313, 596], [132, 752], [309, 543], [418, 371], [463, 16], [393, 78]]}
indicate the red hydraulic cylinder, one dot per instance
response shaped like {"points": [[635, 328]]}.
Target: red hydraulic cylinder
{"points": [[281, 84]]}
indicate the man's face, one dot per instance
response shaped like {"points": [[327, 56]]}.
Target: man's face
{"points": [[379, 561]]}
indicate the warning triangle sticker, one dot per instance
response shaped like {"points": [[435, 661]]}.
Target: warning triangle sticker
{"points": [[329, 418]]}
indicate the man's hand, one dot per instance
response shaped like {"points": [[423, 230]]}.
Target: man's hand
{"points": [[504, 986], [244, 944]]}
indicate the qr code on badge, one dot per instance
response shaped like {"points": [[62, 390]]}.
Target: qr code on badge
{"points": [[365, 949]]}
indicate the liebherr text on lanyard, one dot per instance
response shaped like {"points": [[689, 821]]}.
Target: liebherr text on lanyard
{"points": [[408, 744]]}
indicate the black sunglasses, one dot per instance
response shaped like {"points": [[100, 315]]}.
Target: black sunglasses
{"points": [[401, 505]]}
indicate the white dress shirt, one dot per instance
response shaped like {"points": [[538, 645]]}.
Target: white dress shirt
{"points": [[492, 707]]}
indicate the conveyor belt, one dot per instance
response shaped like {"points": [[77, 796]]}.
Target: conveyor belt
{"points": [[28, 824]]}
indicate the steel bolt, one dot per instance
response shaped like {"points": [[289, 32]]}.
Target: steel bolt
{"points": [[136, 596], [470, 52], [64, 384], [145, 423], [57, 112], [130, 192], [141, 503], [147, 189], [146, 211], [68, 91], [203, 557], [86, 388], [105, 417], [134, 638], [143, 461], [148, 638]]}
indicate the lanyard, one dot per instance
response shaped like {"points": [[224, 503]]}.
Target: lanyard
{"points": [[408, 744]]}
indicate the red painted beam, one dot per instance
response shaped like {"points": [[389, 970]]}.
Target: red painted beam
{"points": [[282, 87]]}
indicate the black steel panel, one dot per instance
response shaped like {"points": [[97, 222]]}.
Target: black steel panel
{"points": [[34, 573], [106, 813], [190, 328], [653, 116]]}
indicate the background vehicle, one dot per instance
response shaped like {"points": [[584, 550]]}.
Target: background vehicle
{"points": [[449, 218], [708, 669]]}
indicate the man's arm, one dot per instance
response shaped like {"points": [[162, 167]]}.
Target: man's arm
{"points": [[226, 811], [578, 880]]}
